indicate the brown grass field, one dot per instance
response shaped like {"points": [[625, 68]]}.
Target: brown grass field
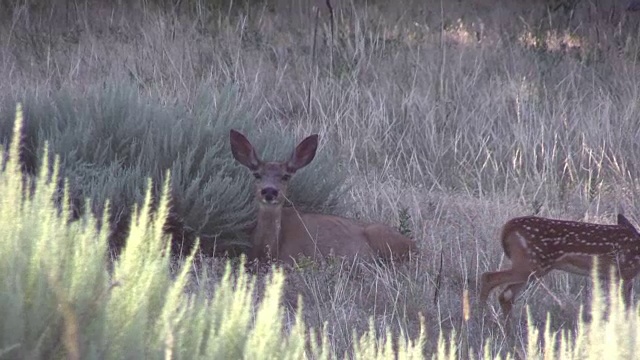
{"points": [[453, 115]]}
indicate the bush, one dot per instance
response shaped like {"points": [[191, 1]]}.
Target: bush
{"points": [[59, 300], [112, 140]]}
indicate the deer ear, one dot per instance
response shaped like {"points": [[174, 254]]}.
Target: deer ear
{"points": [[243, 151], [304, 153]]}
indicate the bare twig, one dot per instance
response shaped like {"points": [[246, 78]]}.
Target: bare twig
{"points": [[332, 27], [313, 59], [438, 279]]}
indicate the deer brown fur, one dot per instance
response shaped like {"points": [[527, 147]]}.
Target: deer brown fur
{"points": [[284, 234]]}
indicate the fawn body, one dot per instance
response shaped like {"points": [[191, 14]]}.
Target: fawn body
{"points": [[283, 233], [538, 245]]}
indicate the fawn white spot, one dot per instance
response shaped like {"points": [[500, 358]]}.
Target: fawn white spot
{"points": [[522, 240]]}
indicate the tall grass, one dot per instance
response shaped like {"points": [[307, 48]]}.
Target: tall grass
{"points": [[454, 116], [112, 140], [60, 300]]}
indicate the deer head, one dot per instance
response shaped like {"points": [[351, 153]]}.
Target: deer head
{"points": [[272, 177]]}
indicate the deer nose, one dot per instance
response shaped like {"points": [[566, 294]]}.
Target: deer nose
{"points": [[269, 193]]}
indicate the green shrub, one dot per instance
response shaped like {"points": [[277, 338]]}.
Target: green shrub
{"points": [[58, 298], [111, 140]]}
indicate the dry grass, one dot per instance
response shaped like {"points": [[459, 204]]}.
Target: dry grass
{"points": [[465, 115]]}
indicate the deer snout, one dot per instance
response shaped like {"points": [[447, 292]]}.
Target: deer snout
{"points": [[269, 194]]}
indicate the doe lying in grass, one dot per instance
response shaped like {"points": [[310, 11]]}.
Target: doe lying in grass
{"points": [[283, 233]]}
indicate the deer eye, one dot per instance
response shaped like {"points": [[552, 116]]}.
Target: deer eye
{"points": [[257, 176], [286, 177]]}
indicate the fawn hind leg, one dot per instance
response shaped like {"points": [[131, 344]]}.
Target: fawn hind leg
{"points": [[491, 280], [508, 297], [514, 281]]}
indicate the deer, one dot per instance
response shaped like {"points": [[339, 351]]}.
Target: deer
{"points": [[537, 245], [284, 234]]}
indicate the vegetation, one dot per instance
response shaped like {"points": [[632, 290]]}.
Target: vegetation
{"points": [[60, 299], [112, 141], [441, 119]]}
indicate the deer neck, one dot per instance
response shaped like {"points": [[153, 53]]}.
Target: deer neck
{"points": [[267, 235]]}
